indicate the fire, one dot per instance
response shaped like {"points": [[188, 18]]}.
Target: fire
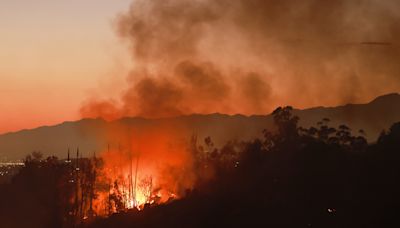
{"points": [[152, 167]]}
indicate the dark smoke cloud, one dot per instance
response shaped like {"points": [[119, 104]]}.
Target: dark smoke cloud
{"points": [[194, 88], [255, 91], [248, 56], [153, 98], [204, 80]]}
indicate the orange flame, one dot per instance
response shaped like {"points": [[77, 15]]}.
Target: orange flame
{"points": [[151, 167]]}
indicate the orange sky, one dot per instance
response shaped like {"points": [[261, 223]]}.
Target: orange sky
{"points": [[52, 53]]}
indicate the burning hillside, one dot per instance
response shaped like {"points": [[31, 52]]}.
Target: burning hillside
{"points": [[155, 167]]}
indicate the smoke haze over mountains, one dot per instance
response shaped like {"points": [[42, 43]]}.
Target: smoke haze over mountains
{"points": [[96, 134]]}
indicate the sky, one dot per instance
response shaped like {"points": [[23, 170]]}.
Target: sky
{"points": [[52, 54], [62, 60]]}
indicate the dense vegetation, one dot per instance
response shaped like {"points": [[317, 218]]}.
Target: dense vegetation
{"points": [[292, 177]]}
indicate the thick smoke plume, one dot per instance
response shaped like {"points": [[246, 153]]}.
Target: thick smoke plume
{"points": [[248, 56]]}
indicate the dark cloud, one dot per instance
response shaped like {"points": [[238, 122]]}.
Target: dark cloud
{"points": [[203, 81]]}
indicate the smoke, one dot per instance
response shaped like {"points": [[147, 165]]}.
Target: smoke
{"points": [[248, 56]]}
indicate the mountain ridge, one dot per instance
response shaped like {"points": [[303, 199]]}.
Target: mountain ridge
{"points": [[91, 134]]}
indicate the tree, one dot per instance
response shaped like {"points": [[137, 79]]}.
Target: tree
{"points": [[286, 124]]}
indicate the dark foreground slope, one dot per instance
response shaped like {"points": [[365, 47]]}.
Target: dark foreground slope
{"points": [[93, 134]]}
